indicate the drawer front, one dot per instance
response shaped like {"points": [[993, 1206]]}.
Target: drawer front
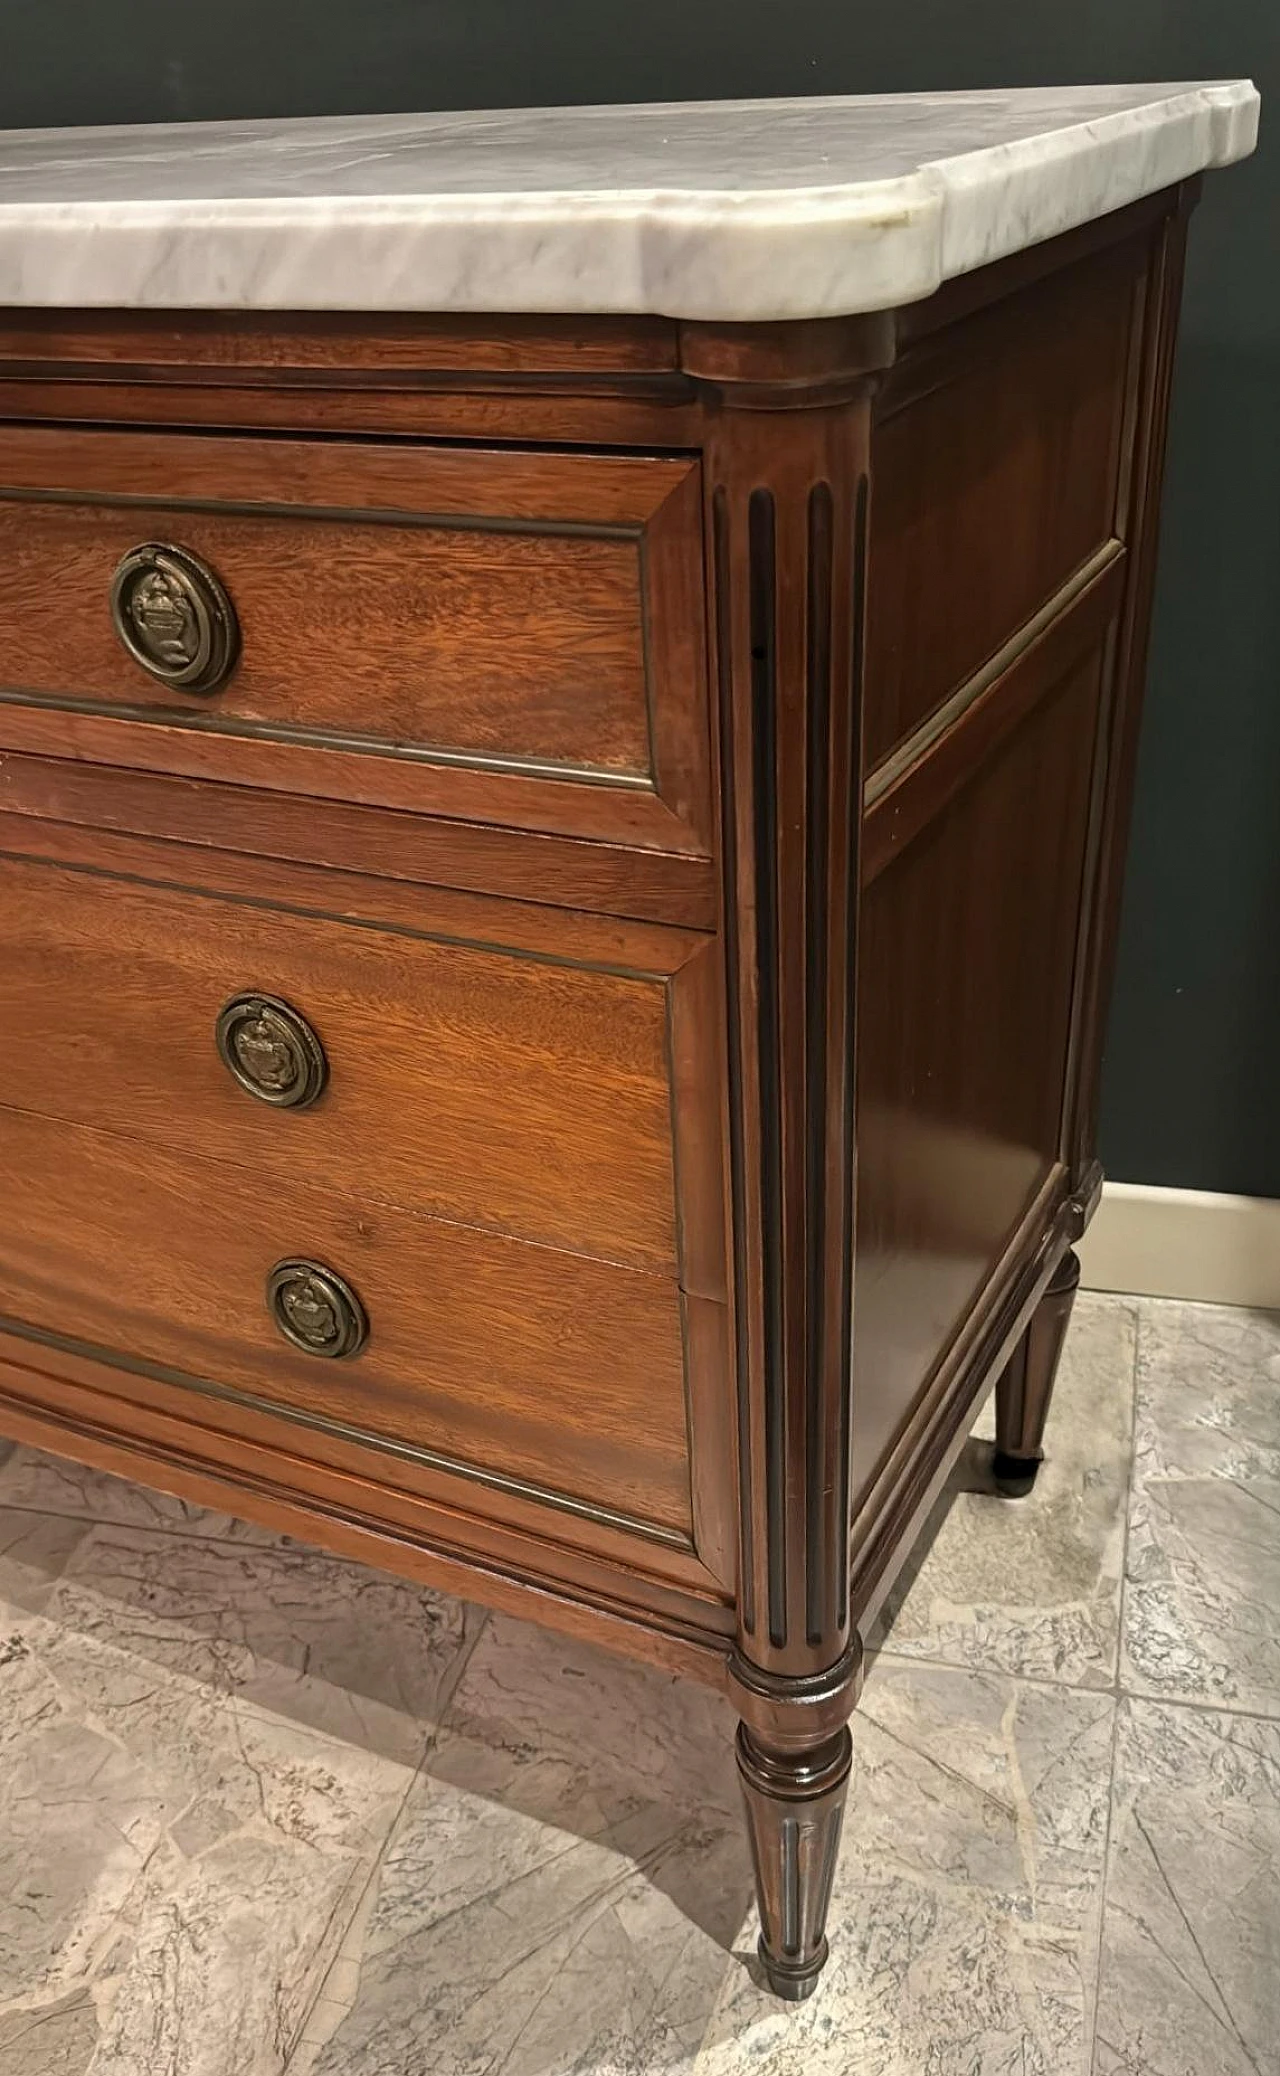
{"points": [[512, 1362], [497, 1085], [503, 637]]}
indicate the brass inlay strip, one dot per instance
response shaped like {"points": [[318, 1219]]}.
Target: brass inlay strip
{"points": [[359, 1437], [936, 724], [277, 905], [365, 515], [485, 762]]}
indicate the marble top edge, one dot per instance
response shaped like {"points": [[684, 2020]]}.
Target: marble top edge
{"points": [[425, 157], [736, 210]]}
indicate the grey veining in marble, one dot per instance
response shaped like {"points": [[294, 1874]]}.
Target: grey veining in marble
{"points": [[356, 1654], [34, 1551], [1033, 1586], [964, 1920], [266, 1814], [1202, 1597], [55, 2039], [511, 1931], [565, 1883], [205, 1738], [33, 1483], [1190, 1982], [177, 1865], [721, 210]]}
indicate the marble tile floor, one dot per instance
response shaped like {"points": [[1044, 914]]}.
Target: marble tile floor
{"points": [[265, 1813]]}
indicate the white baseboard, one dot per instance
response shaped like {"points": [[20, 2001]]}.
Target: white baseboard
{"points": [[1184, 1243]]}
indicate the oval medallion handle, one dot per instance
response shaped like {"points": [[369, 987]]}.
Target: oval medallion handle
{"points": [[272, 1052], [174, 617], [316, 1309]]}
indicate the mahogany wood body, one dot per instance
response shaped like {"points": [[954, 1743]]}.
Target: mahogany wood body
{"points": [[681, 774]]}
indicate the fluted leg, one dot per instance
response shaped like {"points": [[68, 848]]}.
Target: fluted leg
{"points": [[795, 1807], [786, 469], [1026, 1385]]}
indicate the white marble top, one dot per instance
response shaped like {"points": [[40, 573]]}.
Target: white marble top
{"points": [[723, 209]]}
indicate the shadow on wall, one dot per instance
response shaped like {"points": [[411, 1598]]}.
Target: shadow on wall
{"points": [[1189, 1091]]}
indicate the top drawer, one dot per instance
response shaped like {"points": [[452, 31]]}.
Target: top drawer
{"points": [[501, 637]]}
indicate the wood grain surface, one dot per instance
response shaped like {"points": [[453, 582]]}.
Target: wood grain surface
{"points": [[527, 1096], [583, 923], [997, 461], [539, 1365], [409, 617]]}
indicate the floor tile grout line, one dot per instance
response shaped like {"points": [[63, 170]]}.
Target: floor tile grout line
{"points": [[1104, 1886], [1111, 1690], [1123, 1599], [300, 2033], [990, 1669], [1202, 1708], [1119, 1686], [1125, 1689], [457, 1672]]}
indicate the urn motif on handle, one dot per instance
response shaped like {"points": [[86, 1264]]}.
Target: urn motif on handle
{"points": [[316, 1309], [174, 617], [271, 1051]]}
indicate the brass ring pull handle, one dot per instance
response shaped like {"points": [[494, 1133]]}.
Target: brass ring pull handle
{"points": [[316, 1309], [174, 617], [271, 1051]]}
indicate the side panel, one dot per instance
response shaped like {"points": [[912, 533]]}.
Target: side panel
{"points": [[997, 452], [968, 949], [1005, 563]]}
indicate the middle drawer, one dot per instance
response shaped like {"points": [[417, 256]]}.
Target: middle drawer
{"points": [[488, 1085]]}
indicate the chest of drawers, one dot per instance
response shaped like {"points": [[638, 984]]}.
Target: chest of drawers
{"points": [[557, 883]]}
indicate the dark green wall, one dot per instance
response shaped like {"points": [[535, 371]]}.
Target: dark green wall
{"points": [[1190, 1090]]}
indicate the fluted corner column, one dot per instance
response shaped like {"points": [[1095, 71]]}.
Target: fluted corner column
{"points": [[787, 489]]}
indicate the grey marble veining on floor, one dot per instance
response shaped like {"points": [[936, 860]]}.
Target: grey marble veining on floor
{"points": [[964, 1921], [1202, 1602], [553, 1901], [354, 1653], [565, 1881], [1191, 1958], [34, 1551], [37, 1484], [175, 1862], [205, 1738], [265, 1813]]}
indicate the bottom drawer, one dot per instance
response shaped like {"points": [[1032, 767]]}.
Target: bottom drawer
{"points": [[564, 1373]]}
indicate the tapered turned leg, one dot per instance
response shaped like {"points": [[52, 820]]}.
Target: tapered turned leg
{"points": [[786, 469], [1026, 1386], [795, 1807]]}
